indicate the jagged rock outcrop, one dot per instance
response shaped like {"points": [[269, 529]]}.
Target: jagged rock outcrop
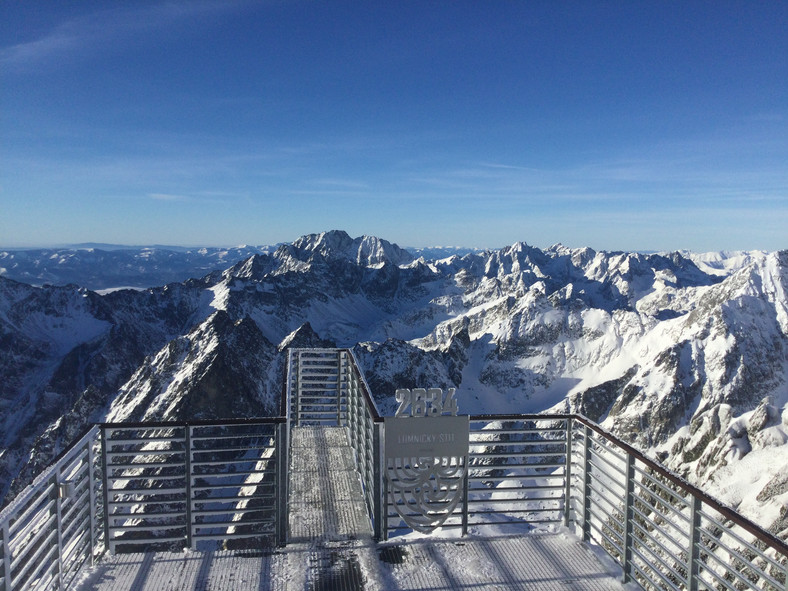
{"points": [[219, 370]]}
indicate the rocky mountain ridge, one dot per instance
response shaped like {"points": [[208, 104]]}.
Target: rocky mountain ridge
{"points": [[687, 361]]}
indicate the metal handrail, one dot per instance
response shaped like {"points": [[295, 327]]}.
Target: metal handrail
{"points": [[663, 531], [749, 526], [243, 459], [315, 386], [194, 423], [47, 535], [365, 428], [524, 469]]}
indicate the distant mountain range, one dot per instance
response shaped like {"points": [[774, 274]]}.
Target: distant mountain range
{"points": [[683, 355], [100, 267], [106, 266]]}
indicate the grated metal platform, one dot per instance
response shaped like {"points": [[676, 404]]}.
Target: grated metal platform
{"points": [[543, 562], [326, 498], [331, 547]]}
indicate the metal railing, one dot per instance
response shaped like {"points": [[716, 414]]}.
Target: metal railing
{"points": [[316, 388], [174, 485], [516, 475], [517, 463], [517, 470], [145, 486], [53, 527], [664, 532], [365, 428], [132, 486]]}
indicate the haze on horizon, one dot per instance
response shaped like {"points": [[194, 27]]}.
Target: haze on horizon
{"points": [[619, 126]]}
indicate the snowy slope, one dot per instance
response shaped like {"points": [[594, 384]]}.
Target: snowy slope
{"points": [[684, 356]]}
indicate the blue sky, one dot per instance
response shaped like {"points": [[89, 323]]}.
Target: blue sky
{"points": [[615, 125]]}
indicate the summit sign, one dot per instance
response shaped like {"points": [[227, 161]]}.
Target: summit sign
{"points": [[426, 448]]}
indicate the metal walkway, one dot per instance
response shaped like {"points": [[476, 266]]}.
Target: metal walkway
{"points": [[331, 547]]}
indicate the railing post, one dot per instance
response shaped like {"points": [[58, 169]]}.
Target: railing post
{"points": [[785, 572], [297, 401], [693, 552], [629, 518], [8, 586], [340, 378], [465, 501], [92, 496], [187, 433], [282, 501], [568, 474], [379, 494], [586, 483], [105, 486], [58, 508]]}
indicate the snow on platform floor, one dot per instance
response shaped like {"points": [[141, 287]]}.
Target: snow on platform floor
{"points": [[331, 547]]}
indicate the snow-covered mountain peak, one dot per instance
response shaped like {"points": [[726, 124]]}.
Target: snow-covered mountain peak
{"points": [[214, 371], [256, 265], [366, 251], [303, 337], [724, 262], [776, 285]]}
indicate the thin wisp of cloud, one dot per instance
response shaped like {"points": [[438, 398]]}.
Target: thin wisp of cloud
{"points": [[106, 28], [167, 197]]}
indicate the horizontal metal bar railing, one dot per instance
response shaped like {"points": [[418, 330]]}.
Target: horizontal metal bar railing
{"points": [[566, 467], [516, 470], [664, 532], [173, 485], [316, 390], [516, 474], [364, 429], [52, 528]]}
